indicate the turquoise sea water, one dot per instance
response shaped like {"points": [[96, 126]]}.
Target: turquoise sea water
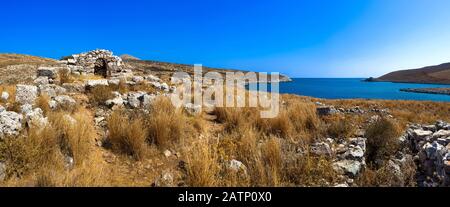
{"points": [[351, 88]]}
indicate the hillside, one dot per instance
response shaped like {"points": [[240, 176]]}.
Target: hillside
{"points": [[439, 74], [15, 68]]}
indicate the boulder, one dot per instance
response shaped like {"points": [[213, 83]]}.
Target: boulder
{"points": [[51, 90], [94, 83], [34, 117], [65, 101], [348, 167], [115, 82], [42, 80], [442, 125], [26, 94], [50, 72], [134, 99], [432, 150], [420, 134], [147, 100], [4, 96], [115, 102], [10, 123], [441, 134]]}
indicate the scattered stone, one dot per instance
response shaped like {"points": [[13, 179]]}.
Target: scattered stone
{"points": [[51, 90], [42, 80], [115, 102], [137, 79], [114, 82], [94, 83], [349, 167], [134, 99], [34, 117], [238, 166], [193, 109], [5, 96], [65, 101], [26, 94], [165, 180], [10, 123], [326, 110], [167, 153]]}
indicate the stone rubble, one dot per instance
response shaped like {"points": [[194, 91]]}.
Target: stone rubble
{"points": [[431, 144]]}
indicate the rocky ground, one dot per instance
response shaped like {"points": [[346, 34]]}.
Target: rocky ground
{"points": [[313, 142]]}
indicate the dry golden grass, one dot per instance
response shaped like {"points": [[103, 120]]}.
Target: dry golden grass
{"points": [[166, 124], [64, 76], [127, 135], [99, 95], [202, 164], [43, 102]]}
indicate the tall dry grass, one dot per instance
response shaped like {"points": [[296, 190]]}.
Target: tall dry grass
{"points": [[166, 124], [127, 134]]}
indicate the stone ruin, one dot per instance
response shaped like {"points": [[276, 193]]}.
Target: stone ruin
{"points": [[98, 62]]}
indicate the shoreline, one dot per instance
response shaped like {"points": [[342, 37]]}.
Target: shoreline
{"points": [[435, 91]]}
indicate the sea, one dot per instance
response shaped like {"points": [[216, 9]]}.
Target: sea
{"points": [[357, 88]]}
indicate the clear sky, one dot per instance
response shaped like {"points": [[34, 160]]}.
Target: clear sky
{"points": [[314, 38]]}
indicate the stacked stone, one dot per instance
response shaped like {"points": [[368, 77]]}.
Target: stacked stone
{"points": [[85, 63]]}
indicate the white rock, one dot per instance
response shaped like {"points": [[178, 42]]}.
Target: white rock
{"points": [[5, 96], [421, 134], [42, 80], [118, 101], [441, 133], [349, 167], [26, 94], [167, 153], [65, 101], [237, 166], [137, 79], [95, 83], [51, 90], [10, 123]]}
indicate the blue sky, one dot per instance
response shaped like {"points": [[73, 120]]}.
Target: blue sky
{"points": [[315, 38]]}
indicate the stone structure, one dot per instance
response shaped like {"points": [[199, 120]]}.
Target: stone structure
{"points": [[99, 62]]}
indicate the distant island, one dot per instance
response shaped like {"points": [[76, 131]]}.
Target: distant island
{"points": [[438, 74]]}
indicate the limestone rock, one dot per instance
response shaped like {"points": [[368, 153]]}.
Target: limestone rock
{"points": [[94, 83], [26, 94], [50, 72], [42, 80], [4, 96], [51, 90], [65, 101], [349, 167], [10, 123]]}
